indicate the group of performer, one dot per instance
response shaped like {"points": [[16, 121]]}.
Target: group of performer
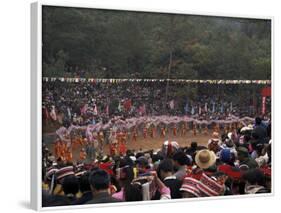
{"points": [[118, 139]]}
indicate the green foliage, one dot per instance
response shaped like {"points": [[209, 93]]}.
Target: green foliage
{"points": [[57, 66], [122, 44]]}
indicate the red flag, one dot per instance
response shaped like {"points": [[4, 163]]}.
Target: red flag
{"points": [[127, 104]]}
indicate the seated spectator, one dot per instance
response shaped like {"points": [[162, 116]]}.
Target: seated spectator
{"points": [[214, 143], [142, 165], [213, 185], [245, 159], [144, 188], [189, 188], [49, 200], [125, 175], [180, 161], [165, 170], [99, 182], [255, 182], [205, 159], [227, 159], [70, 186], [85, 189]]}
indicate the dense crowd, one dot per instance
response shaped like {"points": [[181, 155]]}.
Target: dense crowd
{"points": [[88, 103], [235, 163]]}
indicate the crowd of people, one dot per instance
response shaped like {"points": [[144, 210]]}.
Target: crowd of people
{"points": [[86, 103], [237, 162]]}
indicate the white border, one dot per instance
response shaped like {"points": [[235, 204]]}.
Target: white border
{"points": [[36, 101], [117, 6], [36, 105]]}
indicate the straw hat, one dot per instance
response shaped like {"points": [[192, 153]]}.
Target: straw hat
{"points": [[205, 158]]}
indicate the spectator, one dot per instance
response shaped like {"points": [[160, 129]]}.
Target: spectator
{"points": [[245, 159], [70, 186], [99, 182], [165, 170], [180, 161], [140, 188], [85, 189], [255, 182], [189, 188]]}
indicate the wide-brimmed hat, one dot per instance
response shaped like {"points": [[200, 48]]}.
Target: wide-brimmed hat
{"points": [[205, 158]]}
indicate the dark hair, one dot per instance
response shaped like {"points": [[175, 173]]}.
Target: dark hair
{"points": [[224, 136], [84, 182], [258, 120], [247, 138], [255, 135], [99, 179], [139, 154], [54, 200], [156, 157], [115, 182], [129, 152], [133, 191], [193, 145], [166, 165], [181, 158], [70, 185], [259, 148], [254, 176]]}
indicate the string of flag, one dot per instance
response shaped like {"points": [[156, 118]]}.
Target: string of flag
{"points": [[119, 80]]}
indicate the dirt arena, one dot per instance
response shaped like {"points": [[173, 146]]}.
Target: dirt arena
{"points": [[152, 143]]}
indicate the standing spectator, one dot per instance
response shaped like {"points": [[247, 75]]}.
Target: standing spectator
{"points": [[259, 132]]}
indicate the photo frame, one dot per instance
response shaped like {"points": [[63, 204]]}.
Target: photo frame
{"points": [[38, 80]]}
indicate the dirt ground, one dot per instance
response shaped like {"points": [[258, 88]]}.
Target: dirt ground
{"points": [[152, 143]]}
